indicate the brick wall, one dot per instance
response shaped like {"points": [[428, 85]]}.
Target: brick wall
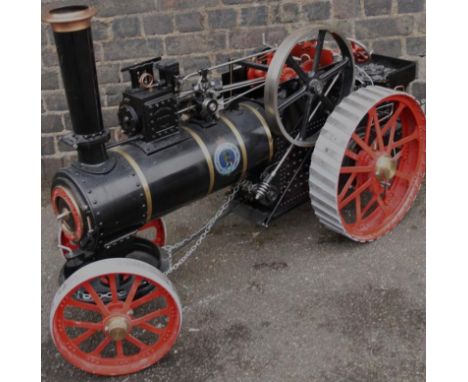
{"points": [[204, 32]]}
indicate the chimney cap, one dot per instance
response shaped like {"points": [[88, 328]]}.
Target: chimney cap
{"points": [[71, 18]]}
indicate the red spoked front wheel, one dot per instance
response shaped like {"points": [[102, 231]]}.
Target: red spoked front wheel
{"points": [[369, 163], [153, 231], [123, 331]]}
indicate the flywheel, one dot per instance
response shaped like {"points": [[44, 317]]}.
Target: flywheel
{"points": [[368, 163], [119, 332], [307, 77]]}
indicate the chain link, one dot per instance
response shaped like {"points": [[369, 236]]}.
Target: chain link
{"points": [[201, 233]]}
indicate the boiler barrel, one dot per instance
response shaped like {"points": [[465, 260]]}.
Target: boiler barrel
{"points": [[142, 186]]}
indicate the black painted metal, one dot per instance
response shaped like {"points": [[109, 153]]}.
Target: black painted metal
{"points": [[76, 58], [116, 204]]}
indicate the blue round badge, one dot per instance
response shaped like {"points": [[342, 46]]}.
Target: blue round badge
{"points": [[226, 158]]}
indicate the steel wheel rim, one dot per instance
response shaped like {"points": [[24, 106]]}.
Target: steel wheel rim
{"points": [[96, 360], [383, 210], [342, 151]]}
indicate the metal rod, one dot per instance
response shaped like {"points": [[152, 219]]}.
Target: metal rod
{"points": [[325, 94], [230, 62], [241, 84], [242, 94], [254, 65]]}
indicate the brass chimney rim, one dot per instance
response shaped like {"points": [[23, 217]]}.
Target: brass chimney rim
{"points": [[71, 18]]}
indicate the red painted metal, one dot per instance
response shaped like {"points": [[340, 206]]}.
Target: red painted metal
{"points": [[305, 51], [379, 207], [154, 231], [94, 350], [60, 192], [360, 53]]}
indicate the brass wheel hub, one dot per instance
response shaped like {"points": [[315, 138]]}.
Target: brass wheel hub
{"points": [[385, 168], [118, 327]]}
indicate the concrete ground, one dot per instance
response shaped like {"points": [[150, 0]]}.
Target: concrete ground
{"points": [[291, 303]]}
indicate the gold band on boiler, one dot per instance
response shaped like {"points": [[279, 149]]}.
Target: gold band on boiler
{"points": [[143, 181], [207, 155], [264, 125], [236, 133]]}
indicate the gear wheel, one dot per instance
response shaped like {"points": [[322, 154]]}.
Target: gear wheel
{"points": [[368, 163]]}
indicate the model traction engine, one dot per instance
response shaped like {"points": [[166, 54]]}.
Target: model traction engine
{"points": [[316, 118]]}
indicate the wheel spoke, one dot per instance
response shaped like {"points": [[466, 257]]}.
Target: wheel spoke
{"points": [[398, 155], [336, 69], [369, 205], [151, 328], [393, 119], [82, 305], [346, 187], [406, 140], [351, 154], [97, 300], [147, 298], [83, 324], [132, 292], [318, 50], [391, 138], [135, 341], [293, 98], [305, 118], [358, 209], [377, 128], [113, 287], [363, 145], [150, 316], [355, 169], [382, 205], [119, 348], [98, 349], [291, 62], [355, 193], [326, 102], [83, 336]]}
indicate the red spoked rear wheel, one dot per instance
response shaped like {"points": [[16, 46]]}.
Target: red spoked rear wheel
{"points": [[374, 148], [119, 333]]}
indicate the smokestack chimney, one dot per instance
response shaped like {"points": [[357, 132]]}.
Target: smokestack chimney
{"points": [[72, 32]]}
